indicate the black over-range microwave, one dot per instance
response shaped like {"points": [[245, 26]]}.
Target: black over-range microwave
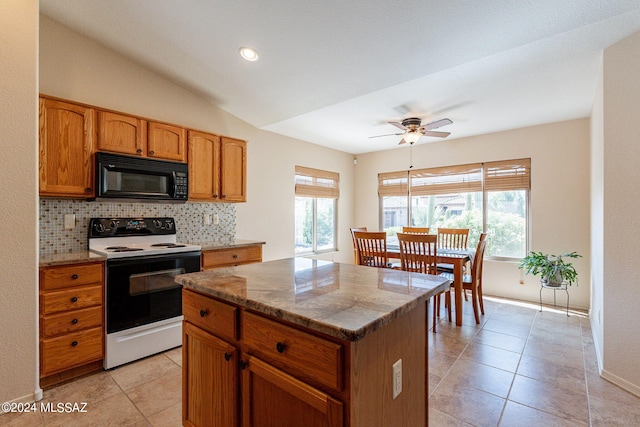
{"points": [[137, 178]]}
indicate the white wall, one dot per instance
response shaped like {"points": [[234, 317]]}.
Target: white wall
{"points": [[18, 200], [78, 69], [621, 241], [559, 217]]}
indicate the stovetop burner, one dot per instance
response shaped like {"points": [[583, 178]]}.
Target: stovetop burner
{"points": [[135, 237]]}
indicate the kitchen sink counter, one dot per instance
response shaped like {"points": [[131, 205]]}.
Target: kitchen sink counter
{"points": [[48, 260], [341, 300]]}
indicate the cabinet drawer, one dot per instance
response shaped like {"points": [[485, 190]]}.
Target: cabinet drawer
{"points": [[68, 351], [214, 316], [82, 297], [306, 356], [68, 276], [71, 321], [235, 256]]}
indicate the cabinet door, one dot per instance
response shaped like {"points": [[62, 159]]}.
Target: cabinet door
{"points": [[66, 147], [120, 133], [209, 380], [167, 142], [271, 398], [204, 174], [233, 170]]}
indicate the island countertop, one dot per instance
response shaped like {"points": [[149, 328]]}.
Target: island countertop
{"points": [[341, 300]]}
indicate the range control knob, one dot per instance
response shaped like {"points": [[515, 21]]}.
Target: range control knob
{"points": [[169, 225], [99, 227], [157, 223], [114, 224]]}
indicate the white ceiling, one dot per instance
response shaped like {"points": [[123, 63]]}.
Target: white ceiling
{"points": [[334, 72]]}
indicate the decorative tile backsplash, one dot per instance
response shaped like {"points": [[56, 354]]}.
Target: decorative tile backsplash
{"points": [[188, 216]]}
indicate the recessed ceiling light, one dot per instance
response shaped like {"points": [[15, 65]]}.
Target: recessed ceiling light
{"points": [[248, 53]]}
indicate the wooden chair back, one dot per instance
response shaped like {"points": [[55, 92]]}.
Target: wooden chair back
{"points": [[371, 248], [453, 238], [418, 252], [476, 269], [415, 230], [353, 239]]}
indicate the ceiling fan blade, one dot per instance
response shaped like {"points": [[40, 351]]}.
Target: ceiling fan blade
{"points": [[402, 141], [398, 125], [436, 124], [437, 134], [388, 134]]}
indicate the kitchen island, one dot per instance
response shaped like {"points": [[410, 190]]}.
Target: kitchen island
{"points": [[305, 342]]}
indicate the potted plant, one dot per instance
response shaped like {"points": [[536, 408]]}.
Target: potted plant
{"points": [[554, 270]]}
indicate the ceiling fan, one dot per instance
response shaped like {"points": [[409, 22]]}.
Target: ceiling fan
{"points": [[414, 129]]}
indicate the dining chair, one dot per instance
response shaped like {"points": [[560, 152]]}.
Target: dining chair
{"points": [[418, 253], [371, 248], [452, 238], [473, 282], [416, 230], [353, 239]]}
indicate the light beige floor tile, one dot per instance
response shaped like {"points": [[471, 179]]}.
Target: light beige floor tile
{"points": [[517, 415], [500, 340], [170, 417], [157, 395], [175, 355], [440, 419], [471, 405], [446, 344], [92, 388], [22, 419], [440, 363], [551, 398], [134, 374], [606, 412], [555, 353], [467, 373], [492, 356], [507, 328], [521, 318], [540, 369]]}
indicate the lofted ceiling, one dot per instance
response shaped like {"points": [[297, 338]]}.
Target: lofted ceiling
{"points": [[334, 72]]}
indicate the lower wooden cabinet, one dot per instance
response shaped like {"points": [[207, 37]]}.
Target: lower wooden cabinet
{"points": [[71, 320], [228, 257]]}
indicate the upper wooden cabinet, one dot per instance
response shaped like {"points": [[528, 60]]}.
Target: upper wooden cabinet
{"points": [[217, 168], [121, 133], [66, 147], [167, 142]]}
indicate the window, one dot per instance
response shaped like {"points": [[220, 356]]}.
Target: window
{"points": [[484, 197], [315, 210]]}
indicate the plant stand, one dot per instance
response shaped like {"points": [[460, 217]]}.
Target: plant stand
{"points": [[561, 287]]}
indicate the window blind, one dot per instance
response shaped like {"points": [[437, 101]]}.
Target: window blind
{"points": [[507, 175], [317, 183], [446, 180], [393, 184]]}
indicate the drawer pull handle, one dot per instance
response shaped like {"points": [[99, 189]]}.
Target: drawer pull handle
{"points": [[280, 347], [243, 365], [74, 299], [74, 277], [139, 150], [203, 312], [235, 256], [74, 321], [75, 343], [227, 356]]}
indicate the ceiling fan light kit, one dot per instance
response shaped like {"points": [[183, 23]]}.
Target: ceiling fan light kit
{"points": [[414, 129]]}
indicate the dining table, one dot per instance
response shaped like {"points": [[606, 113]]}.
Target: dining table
{"points": [[456, 257]]}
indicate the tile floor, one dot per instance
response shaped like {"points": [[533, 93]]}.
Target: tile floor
{"points": [[519, 367]]}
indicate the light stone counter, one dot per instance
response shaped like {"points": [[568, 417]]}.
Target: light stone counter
{"points": [[48, 260], [236, 243], [341, 300]]}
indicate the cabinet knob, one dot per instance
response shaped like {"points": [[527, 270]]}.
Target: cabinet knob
{"points": [[280, 347], [227, 356], [74, 299], [215, 196], [74, 276], [75, 343], [224, 196], [235, 256], [87, 190], [203, 312], [74, 321], [243, 364], [139, 150], [151, 153]]}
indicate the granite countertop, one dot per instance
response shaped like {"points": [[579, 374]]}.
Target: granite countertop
{"points": [[341, 300], [235, 243], [48, 260]]}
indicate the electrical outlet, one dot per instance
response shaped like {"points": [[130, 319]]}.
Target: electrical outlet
{"points": [[69, 221], [215, 219], [206, 219], [397, 378]]}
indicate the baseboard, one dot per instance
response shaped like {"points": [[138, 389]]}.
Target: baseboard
{"points": [[620, 382], [596, 343], [29, 398]]}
